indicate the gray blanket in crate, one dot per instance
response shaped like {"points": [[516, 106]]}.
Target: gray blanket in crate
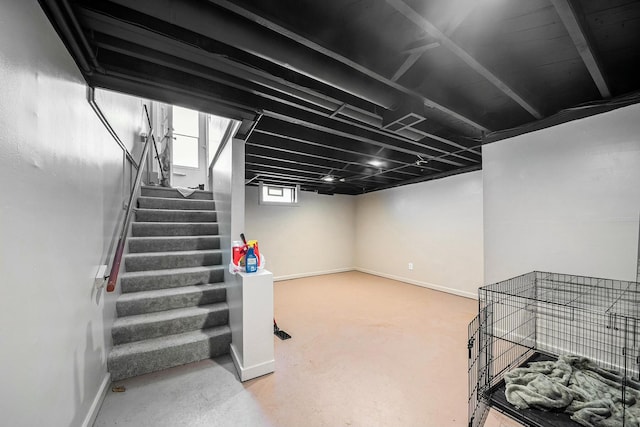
{"points": [[592, 395]]}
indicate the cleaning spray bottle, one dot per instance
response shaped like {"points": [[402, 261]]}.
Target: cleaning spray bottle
{"points": [[251, 261]]}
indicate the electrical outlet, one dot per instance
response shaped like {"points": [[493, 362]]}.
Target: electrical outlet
{"points": [[410, 266]]}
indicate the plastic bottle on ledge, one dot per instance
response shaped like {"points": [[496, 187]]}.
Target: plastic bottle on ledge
{"points": [[251, 261]]}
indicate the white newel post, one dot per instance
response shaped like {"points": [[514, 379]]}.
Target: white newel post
{"points": [[254, 356]]}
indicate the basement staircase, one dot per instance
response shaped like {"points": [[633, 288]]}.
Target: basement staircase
{"points": [[172, 309]]}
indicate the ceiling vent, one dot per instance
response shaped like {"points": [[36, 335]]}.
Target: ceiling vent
{"points": [[407, 115]]}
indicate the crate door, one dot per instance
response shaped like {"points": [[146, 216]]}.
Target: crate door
{"points": [[478, 408]]}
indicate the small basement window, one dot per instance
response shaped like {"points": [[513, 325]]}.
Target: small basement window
{"points": [[278, 194]]}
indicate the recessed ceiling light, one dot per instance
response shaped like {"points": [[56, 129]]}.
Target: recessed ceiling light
{"points": [[376, 163], [328, 178]]}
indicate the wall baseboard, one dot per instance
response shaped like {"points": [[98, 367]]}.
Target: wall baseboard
{"points": [[251, 372], [236, 360], [97, 401], [420, 283], [386, 276], [315, 273]]}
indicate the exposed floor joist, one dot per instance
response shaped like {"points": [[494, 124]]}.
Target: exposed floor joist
{"points": [[356, 89], [416, 52], [331, 54], [286, 111], [423, 23], [569, 17], [337, 143], [369, 136], [298, 147], [196, 63], [299, 155]]}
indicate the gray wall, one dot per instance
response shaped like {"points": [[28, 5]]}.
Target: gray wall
{"points": [[61, 199], [436, 225], [227, 175], [565, 199], [315, 237]]}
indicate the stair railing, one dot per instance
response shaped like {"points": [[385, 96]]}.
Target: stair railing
{"points": [[117, 259]]}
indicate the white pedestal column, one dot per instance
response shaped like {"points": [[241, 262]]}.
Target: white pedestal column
{"points": [[252, 343]]}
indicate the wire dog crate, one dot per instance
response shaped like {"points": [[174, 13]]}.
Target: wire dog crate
{"points": [[541, 316]]}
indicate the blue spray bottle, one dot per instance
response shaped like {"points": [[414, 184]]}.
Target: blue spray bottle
{"points": [[251, 261]]}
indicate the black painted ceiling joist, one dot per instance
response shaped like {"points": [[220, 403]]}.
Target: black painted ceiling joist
{"points": [[237, 35], [338, 161], [190, 46], [171, 69], [295, 139], [301, 150], [303, 41], [312, 82]]}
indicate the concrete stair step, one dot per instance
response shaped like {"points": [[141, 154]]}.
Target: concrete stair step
{"points": [[172, 203], [165, 260], [173, 215], [172, 243], [152, 325], [171, 298], [141, 357], [172, 193], [146, 229], [170, 278]]}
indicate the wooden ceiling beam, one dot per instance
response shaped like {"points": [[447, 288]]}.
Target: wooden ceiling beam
{"points": [[263, 98], [305, 143], [411, 59], [566, 10], [279, 163], [459, 18], [339, 128], [416, 52], [451, 28], [173, 58], [421, 48], [338, 160], [421, 22], [431, 177], [333, 55]]}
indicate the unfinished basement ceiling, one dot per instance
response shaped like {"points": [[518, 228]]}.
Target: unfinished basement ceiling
{"points": [[372, 93]]}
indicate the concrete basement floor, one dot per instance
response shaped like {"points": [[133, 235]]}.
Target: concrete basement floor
{"points": [[366, 351]]}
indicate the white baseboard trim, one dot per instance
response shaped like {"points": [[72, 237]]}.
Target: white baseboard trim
{"points": [[97, 401], [258, 370], [254, 371], [315, 273], [236, 360], [420, 283]]}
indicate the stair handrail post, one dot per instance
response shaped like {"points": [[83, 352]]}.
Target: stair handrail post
{"points": [[117, 259]]}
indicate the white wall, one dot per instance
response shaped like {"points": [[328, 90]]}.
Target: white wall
{"points": [[227, 182], [128, 126], [565, 199], [58, 167], [126, 116], [436, 225], [315, 237]]}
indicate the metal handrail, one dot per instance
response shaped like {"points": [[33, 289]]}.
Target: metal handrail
{"points": [[91, 98], [115, 266], [117, 259]]}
